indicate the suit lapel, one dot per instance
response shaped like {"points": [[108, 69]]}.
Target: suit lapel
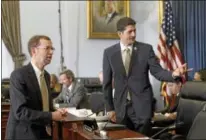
{"points": [[118, 59], [113, 15], [135, 50], [34, 82]]}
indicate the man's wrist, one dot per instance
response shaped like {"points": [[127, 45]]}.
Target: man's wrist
{"points": [[108, 112], [173, 76]]}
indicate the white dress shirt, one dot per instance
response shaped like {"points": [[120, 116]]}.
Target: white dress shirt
{"points": [[123, 47], [37, 72]]}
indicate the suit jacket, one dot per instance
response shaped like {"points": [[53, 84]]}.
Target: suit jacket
{"points": [[76, 98], [26, 118], [136, 82], [114, 15]]}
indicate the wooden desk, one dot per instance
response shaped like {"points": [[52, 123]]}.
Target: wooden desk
{"points": [[72, 129], [4, 117]]}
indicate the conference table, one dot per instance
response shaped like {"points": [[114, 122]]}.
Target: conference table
{"points": [[71, 128]]}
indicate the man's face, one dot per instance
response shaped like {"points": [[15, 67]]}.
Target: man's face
{"points": [[66, 81], [174, 87], [197, 77], [109, 6], [128, 35], [43, 53]]}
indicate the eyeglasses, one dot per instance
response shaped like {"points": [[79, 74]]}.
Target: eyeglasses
{"points": [[47, 48]]}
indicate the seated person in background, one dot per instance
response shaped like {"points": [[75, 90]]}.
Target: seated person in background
{"points": [[175, 87], [200, 75], [73, 94], [54, 85]]}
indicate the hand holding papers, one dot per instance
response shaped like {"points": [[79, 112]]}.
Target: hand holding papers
{"points": [[80, 112]]}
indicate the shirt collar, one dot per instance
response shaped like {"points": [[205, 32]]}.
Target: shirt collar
{"points": [[123, 47], [36, 69], [70, 87], [110, 14]]}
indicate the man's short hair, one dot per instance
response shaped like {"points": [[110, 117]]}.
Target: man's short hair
{"points": [[35, 41], [68, 73], [124, 22]]}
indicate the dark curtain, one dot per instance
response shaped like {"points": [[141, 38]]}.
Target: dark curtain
{"points": [[190, 19]]}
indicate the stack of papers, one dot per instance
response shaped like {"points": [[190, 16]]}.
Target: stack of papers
{"points": [[80, 112]]}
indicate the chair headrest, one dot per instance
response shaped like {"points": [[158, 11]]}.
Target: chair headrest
{"points": [[204, 108], [195, 90]]}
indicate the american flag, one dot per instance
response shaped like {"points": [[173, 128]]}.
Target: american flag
{"points": [[168, 50]]}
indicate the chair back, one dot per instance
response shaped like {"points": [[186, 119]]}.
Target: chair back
{"points": [[198, 128], [192, 100], [97, 103]]}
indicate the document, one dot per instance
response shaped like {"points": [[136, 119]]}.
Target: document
{"points": [[80, 112]]}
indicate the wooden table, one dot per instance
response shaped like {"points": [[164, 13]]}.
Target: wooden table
{"points": [[5, 107], [72, 129]]}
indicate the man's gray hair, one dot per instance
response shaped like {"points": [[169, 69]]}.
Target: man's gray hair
{"points": [[68, 73]]}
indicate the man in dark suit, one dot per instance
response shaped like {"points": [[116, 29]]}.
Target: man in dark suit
{"points": [[129, 62], [30, 116], [73, 93]]}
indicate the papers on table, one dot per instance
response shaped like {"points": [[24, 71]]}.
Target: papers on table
{"points": [[80, 112]]}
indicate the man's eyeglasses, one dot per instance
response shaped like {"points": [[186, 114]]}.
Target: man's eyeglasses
{"points": [[47, 48]]}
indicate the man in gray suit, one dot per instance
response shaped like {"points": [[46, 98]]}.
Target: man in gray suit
{"points": [[73, 94], [128, 63]]}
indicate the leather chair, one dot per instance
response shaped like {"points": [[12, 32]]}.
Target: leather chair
{"points": [[5, 90], [97, 103], [191, 102], [198, 128]]}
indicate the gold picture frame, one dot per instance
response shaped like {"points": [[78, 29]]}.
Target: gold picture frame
{"points": [[101, 26]]}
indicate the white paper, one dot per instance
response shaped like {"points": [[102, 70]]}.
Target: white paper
{"points": [[79, 112]]}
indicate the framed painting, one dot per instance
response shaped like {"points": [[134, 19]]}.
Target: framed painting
{"points": [[102, 16]]}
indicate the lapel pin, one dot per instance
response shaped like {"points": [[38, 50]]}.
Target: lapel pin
{"points": [[135, 48]]}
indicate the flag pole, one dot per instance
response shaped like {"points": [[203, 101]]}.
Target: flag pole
{"points": [[161, 12]]}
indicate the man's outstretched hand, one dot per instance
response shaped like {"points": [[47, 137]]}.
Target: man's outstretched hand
{"points": [[181, 70]]}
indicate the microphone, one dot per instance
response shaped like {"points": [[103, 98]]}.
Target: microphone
{"points": [[173, 126]]}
